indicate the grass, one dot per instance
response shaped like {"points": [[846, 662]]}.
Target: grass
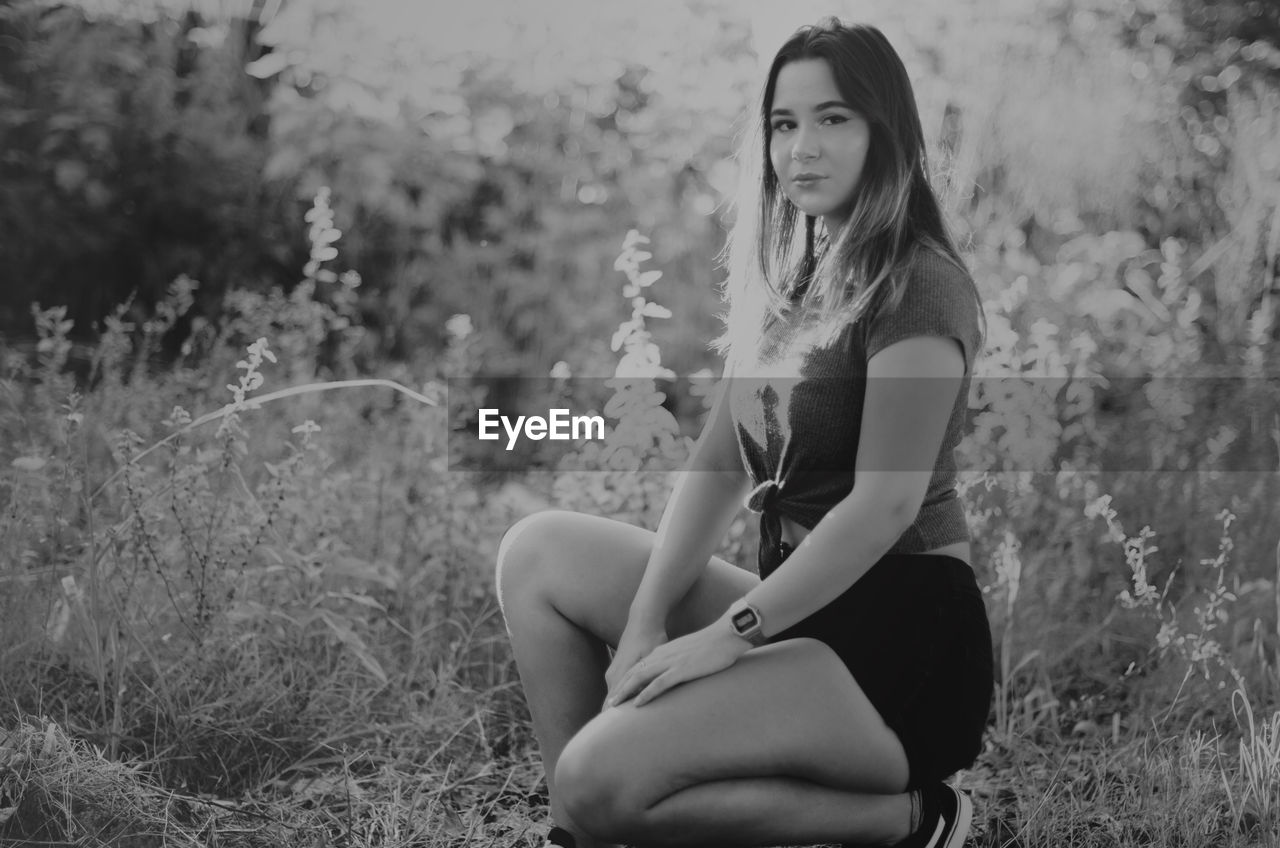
{"points": [[1091, 791], [434, 780], [285, 632]]}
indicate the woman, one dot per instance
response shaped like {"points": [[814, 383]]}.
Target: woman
{"points": [[827, 699]]}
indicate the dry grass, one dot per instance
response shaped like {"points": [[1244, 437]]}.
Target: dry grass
{"points": [[55, 789], [1091, 791]]}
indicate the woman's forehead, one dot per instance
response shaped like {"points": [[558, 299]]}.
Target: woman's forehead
{"points": [[804, 84]]}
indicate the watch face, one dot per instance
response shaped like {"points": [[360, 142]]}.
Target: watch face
{"points": [[745, 620]]}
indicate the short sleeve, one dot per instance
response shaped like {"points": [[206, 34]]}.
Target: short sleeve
{"points": [[939, 300]]}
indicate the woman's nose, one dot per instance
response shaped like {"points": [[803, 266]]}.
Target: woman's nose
{"points": [[804, 148]]}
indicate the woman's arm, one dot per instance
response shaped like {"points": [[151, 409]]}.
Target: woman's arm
{"points": [[911, 391], [707, 495], [904, 420]]}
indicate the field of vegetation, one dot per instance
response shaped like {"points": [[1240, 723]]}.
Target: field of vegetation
{"points": [[246, 598]]}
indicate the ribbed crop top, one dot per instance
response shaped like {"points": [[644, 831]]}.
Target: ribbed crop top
{"points": [[797, 406]]}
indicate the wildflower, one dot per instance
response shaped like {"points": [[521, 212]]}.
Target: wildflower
{"points": [[1136, 551], [72, 410], [259, 351], [178, 418], [459, 326], [1101, 506], [305, 429], [251, 380], [127, 443], [1009, 567]]}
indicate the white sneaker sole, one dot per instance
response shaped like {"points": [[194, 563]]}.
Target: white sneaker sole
{"points": [[953, 836]]}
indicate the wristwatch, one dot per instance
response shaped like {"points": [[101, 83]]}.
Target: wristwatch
{"points": [[747, 622]]}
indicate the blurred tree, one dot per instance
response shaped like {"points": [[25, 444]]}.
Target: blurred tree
{"points": [[132, 151], [476, 170], [480, 176]]}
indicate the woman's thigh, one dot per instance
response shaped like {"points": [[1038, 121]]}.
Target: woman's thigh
{"points": [[589, 569], [788, 709]]}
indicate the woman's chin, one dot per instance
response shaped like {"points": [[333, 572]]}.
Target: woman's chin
{"points": [[813, 209]]}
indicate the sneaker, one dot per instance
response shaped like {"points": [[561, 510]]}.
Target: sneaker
{"points": [[944, 819], [954, 813], [558, 837]]}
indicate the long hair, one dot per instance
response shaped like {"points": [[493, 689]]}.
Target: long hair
{"points": [[772, 255]]}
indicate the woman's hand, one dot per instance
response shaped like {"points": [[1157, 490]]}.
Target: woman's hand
{"points": [[699, 654], [638, 638]]}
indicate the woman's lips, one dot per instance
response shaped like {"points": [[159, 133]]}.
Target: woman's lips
{"points": [[807, 180]]}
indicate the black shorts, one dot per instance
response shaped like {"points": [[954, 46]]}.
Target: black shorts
{"points": [[914, 633]]}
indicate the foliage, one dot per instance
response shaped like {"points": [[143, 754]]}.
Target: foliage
{"points": [[130, 148], [481, 178], [199, 568], [645, 437]]}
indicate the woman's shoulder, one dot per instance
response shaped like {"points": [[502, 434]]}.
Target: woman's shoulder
{"points": [[928, 281], [930, 267], [936, 296]]}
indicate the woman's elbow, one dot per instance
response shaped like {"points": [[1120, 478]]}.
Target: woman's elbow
{"points": [[896, 502], [903, 512]]}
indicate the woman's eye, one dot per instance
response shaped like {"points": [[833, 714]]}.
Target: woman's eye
{"points": [[780, 126], [835, 119]]}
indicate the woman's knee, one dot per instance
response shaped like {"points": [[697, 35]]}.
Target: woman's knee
{"points": [[520, 553], [597, 789]]}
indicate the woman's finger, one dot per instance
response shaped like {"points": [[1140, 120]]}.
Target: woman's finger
{"points": [[657, 686], [618, 691], [626, 686], [617, 673], [636, 678], [625, 690]]}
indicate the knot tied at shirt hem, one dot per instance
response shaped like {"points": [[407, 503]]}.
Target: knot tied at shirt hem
{"points": [[763, 497]]}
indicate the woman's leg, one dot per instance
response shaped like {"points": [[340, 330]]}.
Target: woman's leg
{"points": [[783, 747], [565, 585]]}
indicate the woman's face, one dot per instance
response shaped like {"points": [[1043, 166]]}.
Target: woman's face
{"points": [[817, 142]]}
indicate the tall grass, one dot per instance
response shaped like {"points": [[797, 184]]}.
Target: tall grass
{"points": [[271, 621], [237, 609]]}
